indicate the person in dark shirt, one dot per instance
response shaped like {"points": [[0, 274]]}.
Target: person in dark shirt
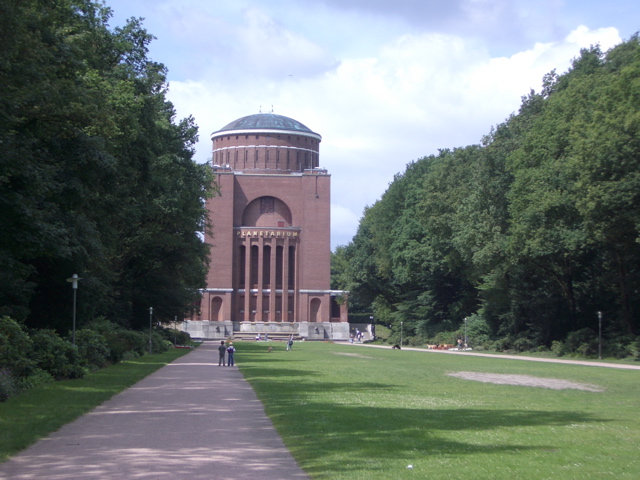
{"points": [[222, 349]]}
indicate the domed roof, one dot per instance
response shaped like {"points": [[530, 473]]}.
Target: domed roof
{"points": [[266, 121]]}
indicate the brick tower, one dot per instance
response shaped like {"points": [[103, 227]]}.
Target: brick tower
{"points": [[269, 270]]}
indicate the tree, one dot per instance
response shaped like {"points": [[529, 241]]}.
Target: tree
{"points": [[96, 177]]}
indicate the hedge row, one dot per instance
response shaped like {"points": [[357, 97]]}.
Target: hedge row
{"points": [[33, 357]]}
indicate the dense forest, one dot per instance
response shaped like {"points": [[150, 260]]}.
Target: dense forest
{"points": [[96, 174], [528, 235]]}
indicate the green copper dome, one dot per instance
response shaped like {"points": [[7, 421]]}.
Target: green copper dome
{"points": [[266, 121]]}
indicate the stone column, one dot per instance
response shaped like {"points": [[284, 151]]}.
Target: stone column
{"points": [[272, 281], [247, 279], [259, 313], [285, 280]]}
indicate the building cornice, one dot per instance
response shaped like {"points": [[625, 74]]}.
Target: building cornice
{"points": [[264, 131]]}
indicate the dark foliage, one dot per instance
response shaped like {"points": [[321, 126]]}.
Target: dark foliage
{"points": [[533, 232]]}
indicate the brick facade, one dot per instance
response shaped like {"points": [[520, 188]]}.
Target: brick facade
{"points": [[270, 258]]}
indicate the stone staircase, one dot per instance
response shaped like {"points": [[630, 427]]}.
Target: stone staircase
{"points": [[273, 337]]}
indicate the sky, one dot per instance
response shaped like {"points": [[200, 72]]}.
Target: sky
{"points": [[383, 82]]}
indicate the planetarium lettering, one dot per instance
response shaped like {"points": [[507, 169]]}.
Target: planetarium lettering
{"points": [[266, 233]]}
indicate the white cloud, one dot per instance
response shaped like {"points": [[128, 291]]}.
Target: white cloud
{"points": [[274, 51], [406, 100]]}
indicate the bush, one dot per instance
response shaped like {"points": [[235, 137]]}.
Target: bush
{"points": [[446, 338], [502, 344], [478, 330], [558, 348], [8, 386], [159, 344], [416, 341], [16, 349], [634, 349], [578, 339], [56, 356], [93, 349], [39, 377], [130, 355], [175, 336], [523, 344], [123, 341]]}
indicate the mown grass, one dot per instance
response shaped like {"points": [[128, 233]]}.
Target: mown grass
{"points": [[37, 412], [349, 412]]}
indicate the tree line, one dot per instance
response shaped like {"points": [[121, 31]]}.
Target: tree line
{"points": [[527, 235], [97, 176]]}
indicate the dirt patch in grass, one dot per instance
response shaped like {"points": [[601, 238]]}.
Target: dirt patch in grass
{"points": [[526, 381], [352, 355]]}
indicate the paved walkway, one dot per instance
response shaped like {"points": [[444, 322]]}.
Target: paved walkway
{"points": [[588, 363], [189, 420]]}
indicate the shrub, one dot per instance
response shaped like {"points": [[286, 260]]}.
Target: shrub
{"points": [[587, 349], [523, 344], [56, 356], [634, 349], [39, 377], [417, 341], [446, 338], [558, 348], [158, 344], [130, 355], [123, 341], [15, 349], [580, 340], [478, 330], [93, 349], [175, 336], [8, 386], [502, 344]]}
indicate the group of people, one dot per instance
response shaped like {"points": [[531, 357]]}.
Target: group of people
{"points": [[226, 351], [359, 336]]}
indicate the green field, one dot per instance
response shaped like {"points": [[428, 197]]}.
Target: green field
{"points": [[350, 412]]}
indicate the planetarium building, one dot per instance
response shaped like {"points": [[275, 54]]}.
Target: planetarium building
{"points": [[269, 270]]}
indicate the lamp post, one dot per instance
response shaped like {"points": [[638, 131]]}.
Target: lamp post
{"points": [[74, 285], [373, 328], [400, 333], [600, 335], [150, 320], [465, 332], [175, 330]]}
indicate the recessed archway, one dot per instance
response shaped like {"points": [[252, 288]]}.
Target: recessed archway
{"points": [[315, 310], [216, 309], [267, 212]]}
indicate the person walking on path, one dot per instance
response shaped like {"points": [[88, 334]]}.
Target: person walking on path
{"points": [[222, 350], [230, 351]]}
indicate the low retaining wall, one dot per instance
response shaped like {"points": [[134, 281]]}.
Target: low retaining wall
{"points": [[209, 330]]}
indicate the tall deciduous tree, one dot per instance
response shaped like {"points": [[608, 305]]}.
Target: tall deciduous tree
{"points": [[96, 176], [535, 230]]}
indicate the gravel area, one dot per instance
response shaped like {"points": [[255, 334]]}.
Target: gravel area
{"points": [[526, 381]]}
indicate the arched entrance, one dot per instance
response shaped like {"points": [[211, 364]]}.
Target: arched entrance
{"points": [[216, 309], [314, 310]]}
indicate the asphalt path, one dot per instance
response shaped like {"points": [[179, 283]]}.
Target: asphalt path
{"points": [[189, 420], [588, 363]]}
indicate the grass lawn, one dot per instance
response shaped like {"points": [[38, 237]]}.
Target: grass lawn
{"points": [[350, 412], [37, 412]]}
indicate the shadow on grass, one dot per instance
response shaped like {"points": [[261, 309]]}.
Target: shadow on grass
{"points": [[373, 434], [358, 431]]}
